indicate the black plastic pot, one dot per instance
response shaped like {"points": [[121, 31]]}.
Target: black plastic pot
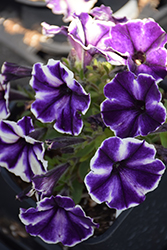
{"points": [[141, 227]]}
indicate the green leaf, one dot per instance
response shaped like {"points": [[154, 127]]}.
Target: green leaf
{"points": [[65, 60], [52, 133], [77, 189], [86, 150], [81, 74], [108, 132], [99, 140], [165, 103], [83, 169], [163, 137]]}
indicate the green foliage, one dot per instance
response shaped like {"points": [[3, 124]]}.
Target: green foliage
{"points": [[83, 169], [77, 189], [163, 137]]}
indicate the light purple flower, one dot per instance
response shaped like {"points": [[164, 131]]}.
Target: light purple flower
{"points": [[59, 97], [133, 105], [45, 183], [69, 7], [122, 172], [4, 99], [86, 36], [140, 43], [57, 219], [51, 30], [20, 153], [104, 13]]}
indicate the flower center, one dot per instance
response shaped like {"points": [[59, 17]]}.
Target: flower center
{"points": [[116, 164], [139, 58], [64, 89], [140, 105]]}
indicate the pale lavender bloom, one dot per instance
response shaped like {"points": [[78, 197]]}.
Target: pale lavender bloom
{"points": [[51, 30], [69, 7], [133, 105], [59, 97], [4, 99], [20, 153], [13, 71], [57, 219], [86, 36], [105, 13], [122, 172], [140, 43]]}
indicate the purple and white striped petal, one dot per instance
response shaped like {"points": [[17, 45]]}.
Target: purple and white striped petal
{"points": [[133, 105], [122, 172], [69, 7], [57, 219], [4, 99], [20, 153], [59, 97], [141, 44]]}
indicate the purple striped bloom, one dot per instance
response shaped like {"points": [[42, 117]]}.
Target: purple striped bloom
{"points": [[122, 172], [20, 153], [133, 105], [140, 44], [59, 97], [57, 219]]}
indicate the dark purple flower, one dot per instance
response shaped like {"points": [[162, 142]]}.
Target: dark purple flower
{"points": [[122, 172], [69, 7], [140, 43], [20, 153], [45, 183], [13, 71], [133, 105], [4, 99], [59, 97], [57, 219]]}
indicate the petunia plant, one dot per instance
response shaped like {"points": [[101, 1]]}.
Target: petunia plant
{"points": [[90, 123]]}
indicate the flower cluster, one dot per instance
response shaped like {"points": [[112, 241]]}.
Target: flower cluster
{"points": [[107, 94]]}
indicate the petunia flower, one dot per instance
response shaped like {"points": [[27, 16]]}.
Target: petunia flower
{"points": [[45, 183], [13, 71], [105, 13], [4, 99], [133, 105], [57, 219], [86, 35], [140, 43], [20, 153], [69, 7], [122, 172], [59, 97]]}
